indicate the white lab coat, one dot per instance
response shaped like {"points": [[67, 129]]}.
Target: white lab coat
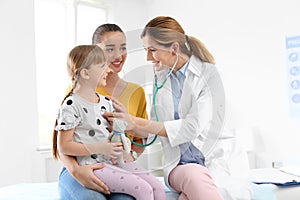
{"points": [[202, 112]]}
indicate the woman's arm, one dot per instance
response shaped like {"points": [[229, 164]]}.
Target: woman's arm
{"points": [[144, 126], [137, 106], [138, 126], [84, 174]]}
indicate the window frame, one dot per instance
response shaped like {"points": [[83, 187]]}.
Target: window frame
{"points": [[70, 21]]}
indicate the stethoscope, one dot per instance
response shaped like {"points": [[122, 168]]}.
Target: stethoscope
{"points": [[157, 88]]}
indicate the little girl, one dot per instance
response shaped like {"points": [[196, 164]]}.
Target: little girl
{"points": [[81, 130]]}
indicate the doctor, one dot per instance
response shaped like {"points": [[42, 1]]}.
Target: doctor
{"points": [[188, 108]]}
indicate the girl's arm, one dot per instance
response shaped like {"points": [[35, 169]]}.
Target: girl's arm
{"points": [[67, 146]]}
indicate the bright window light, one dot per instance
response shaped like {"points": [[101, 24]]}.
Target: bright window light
{"points": [[88, 19], [56, 22]]}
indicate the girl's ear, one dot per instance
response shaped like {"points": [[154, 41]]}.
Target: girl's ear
{"points": [[84, 73]]}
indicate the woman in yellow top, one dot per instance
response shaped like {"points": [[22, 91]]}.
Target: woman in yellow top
{"points": [[112, 39], [79, 182]]}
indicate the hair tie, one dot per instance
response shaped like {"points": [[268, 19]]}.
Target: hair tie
{"points": [[187, 43]]}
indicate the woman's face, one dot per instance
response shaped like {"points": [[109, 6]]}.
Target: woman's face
{"points": [[114, 44], [160, 56]]}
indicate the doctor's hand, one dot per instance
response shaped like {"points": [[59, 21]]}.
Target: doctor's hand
{"points": [[120, 113]]}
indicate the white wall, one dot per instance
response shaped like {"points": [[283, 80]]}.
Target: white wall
{"points": [[18, 121], [131, 16]]}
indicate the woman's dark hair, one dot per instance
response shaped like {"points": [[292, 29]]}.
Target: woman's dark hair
{"points": [[102, 29]]}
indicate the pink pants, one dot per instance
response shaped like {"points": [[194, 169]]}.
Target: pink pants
{"points": [[133, 180], [194, 183]]}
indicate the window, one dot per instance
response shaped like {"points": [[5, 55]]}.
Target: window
{"points": [[89, 17], [59, 26]]}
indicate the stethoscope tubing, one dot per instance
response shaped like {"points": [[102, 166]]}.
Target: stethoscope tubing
{"points": [[157, 88]]}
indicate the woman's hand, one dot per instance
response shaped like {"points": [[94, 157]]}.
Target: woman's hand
{"points": [[86, 177], [121, 113], [139, 126]]}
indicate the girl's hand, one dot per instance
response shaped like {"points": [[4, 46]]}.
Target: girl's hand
{"points": [[86, 177], [128, 158], [125, 154], [113, 150]]}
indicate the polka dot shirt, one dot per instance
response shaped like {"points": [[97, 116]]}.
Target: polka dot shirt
{"points": [[86, 118]]}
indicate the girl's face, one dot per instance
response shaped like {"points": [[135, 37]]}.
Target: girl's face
{"points": [[159, 55], [98, 73], [114, 44]]}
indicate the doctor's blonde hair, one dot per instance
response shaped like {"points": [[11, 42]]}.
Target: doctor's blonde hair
{"points": [[166, 30]]}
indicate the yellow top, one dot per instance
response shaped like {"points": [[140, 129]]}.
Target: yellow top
{"points": [[133, 98]]}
